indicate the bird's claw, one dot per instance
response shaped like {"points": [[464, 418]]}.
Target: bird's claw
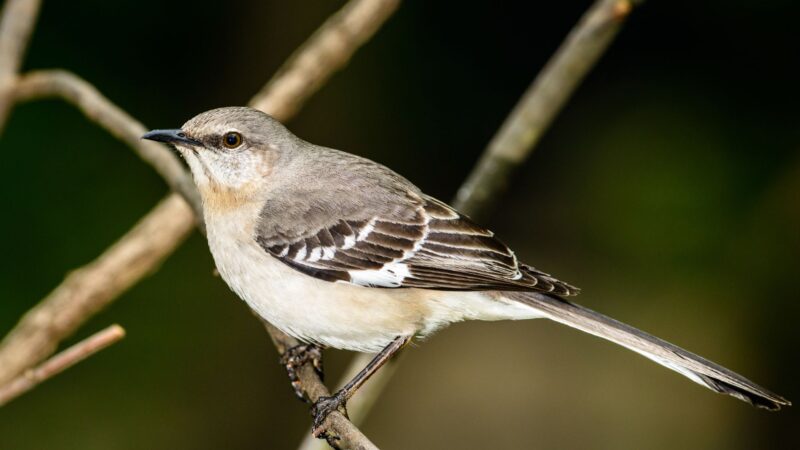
{"points": [[323, 407], [295, 357]]}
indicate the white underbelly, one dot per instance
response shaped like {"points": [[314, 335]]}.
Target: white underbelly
{"points": [[338, 314]]}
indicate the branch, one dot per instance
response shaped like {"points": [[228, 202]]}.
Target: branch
{"points": [[338, 431], [99, 109], [16, 25], [540, 104], [512, 144], [92, 287], [326, 51], [61, 362]]}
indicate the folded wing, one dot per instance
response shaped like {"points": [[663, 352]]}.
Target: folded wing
{"points": [[430, 246]]}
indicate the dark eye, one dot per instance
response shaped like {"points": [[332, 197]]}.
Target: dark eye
{"points": [[232, 139]]}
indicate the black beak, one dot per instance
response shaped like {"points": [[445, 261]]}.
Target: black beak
{"points": [[170, 137]]}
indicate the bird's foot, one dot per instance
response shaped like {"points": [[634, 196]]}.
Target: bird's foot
{"points": [[295, 357], [323, 407]]}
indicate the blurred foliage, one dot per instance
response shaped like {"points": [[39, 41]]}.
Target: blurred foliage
{"points": [[668, 190]]}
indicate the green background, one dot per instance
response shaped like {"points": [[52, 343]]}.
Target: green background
{"points": [[668, 189]]}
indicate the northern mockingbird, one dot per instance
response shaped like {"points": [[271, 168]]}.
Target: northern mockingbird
{"points": [[339, 251]]}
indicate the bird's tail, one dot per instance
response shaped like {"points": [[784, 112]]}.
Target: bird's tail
{"points": [[694, 367]]}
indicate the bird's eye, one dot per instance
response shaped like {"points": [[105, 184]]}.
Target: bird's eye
{"points": [[232, 139]]}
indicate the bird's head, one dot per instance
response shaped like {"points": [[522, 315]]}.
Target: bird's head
{"points": [[230, 151]]}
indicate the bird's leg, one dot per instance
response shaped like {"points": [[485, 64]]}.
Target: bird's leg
{"points": [[325, 405], [295, 357]]}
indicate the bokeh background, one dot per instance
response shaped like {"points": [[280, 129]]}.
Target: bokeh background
{"points": [[668, 189]]}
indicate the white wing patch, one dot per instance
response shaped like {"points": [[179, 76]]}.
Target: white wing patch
{"points": [[316, 254], [364, 232], [390, 275], [349, 242], [328, 253], [301, 254]]}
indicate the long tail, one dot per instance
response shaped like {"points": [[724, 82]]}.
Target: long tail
{"points": [[696, 368]]}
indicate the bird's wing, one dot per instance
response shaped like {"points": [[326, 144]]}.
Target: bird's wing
{"points": [[431, 247]]}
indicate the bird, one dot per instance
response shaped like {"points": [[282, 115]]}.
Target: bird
{"points": [[339, 251]]}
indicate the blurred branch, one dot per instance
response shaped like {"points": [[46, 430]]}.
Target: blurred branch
{"points": [[16, 26], [540, 104], [92, 287], [98, 109], [61, 362], [512, 144], [327, 51], [89, 289]]}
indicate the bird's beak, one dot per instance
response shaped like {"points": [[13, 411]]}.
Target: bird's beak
{"points": [[170, 137]]}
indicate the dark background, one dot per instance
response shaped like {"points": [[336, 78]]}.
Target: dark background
{"points": [[668, 189]]}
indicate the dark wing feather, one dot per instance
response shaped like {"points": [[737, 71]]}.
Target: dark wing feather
{"points": [[431, 247]]}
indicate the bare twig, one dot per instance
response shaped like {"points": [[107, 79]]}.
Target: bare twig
{"points": [[338, 431], [61, 362], [92, 287], [97, 108], [16, 25], [511, 145], [541, 102], [326, 51]]}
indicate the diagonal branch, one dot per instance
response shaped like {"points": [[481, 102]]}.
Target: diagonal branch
{"points": [[540, 104], [512, 144], [327, 50], [92, 287], [61, 362], [99, 109]]}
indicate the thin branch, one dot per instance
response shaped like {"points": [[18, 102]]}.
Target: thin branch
{"points": [[16, 26], [92, 287], [512, 144], [541, 103], [99, 109], [61, 362], [328, 50], [358, 407], [339, 432]]}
